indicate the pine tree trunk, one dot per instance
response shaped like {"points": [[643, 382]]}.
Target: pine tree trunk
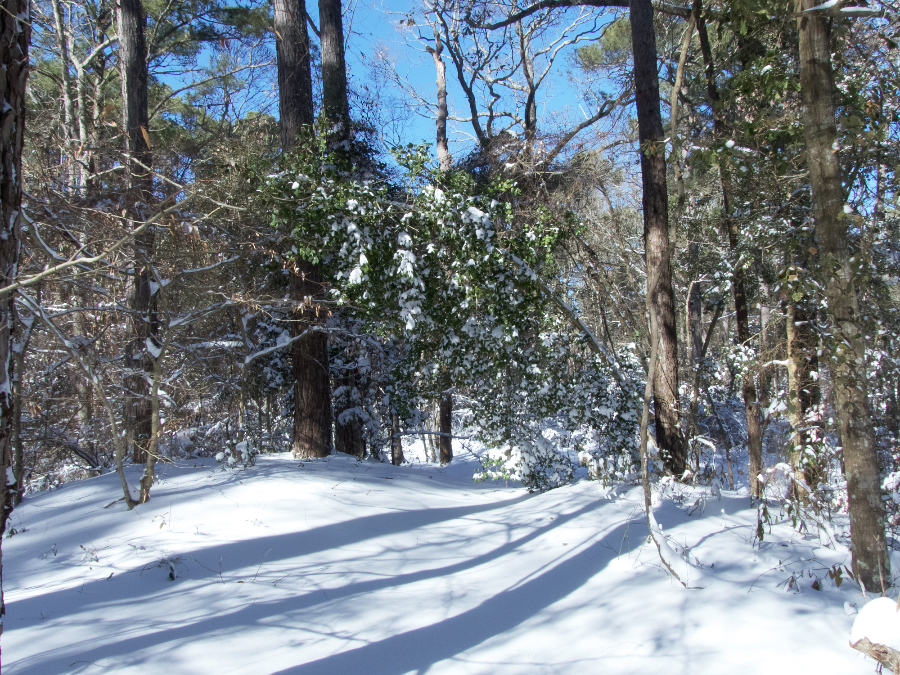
{"points": [[295, 99], [309, 358], [847, 362], [334, 69], [396, 441], [656, 235], [135, 114], [16, 36], [312, 382], [349, 437], [446, 415]]}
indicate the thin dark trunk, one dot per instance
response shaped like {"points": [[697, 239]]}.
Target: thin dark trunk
{"points": [[396, 441], [765, 322], [135, 121], [348, 435], [18, 394], [656, 235], [847, 360], [446, 415], [433, 440], [695, 316], [16, 35], [83, 390], [739, 283]]}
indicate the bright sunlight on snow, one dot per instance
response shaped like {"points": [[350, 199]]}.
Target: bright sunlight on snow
{"points": [[352, 568]]}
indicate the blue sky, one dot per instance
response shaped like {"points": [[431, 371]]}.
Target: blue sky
{"points": [[372, 27]]}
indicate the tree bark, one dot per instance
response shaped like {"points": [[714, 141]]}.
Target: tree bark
{"points": [[312, 382], [446, 417], [445, 160], [803, 390], [336, 106], [847, 360], [334, 69], [135, 123], [397, 457], [656, 235], [295, 99], [16, 35], [312, 386]]}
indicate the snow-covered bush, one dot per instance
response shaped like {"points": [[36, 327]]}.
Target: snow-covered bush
{"points": [[533, 461], [240, 453], [552, 380]]}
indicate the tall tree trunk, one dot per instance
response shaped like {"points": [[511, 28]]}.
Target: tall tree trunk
{"points": [[397, 457], [336, 106], [16, 35], [135, 122], [295, 99], [656, 235], [312, 382], [803, 390], [847, 360], [312, 385], [739, 282], [446, 417], [66, 89], [334, 69], [445, 160]]}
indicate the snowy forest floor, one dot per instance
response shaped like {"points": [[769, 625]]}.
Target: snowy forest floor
{"points": [[347, 568]]}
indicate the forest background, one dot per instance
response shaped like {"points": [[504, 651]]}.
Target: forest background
{"points": [[220, 239]]}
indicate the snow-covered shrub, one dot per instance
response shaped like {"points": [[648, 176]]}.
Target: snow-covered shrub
{"points": [[238, 453], [533, 461]]}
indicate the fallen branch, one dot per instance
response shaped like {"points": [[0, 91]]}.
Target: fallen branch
{"points": [[887, 657]]}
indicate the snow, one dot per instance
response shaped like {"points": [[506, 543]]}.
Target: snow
{"points": [[879, 621], [154, 350], [340, 566]]}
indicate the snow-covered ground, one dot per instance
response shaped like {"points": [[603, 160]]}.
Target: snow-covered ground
{"points": [[355, 568]]}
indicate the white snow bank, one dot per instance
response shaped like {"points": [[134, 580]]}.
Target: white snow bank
{"points": [[340, 567], [879, 621]]}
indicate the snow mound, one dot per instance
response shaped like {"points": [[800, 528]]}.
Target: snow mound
{"points": [[341, 567], [879, 621]]}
